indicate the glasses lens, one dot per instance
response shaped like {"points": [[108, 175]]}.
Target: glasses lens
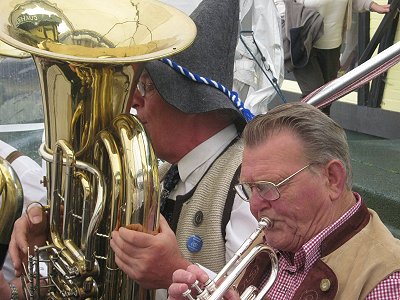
{"points": [[268, 191], [140, 87]]}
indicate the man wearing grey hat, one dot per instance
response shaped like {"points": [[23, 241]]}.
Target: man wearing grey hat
{"points": [[194, 126]]}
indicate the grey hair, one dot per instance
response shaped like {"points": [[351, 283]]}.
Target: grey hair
{"points": [[323, 138]]}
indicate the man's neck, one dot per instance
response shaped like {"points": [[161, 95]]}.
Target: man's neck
{"points": [[192, 136]]}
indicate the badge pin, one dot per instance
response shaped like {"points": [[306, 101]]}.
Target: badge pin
{"points": [[198, 218], [194, 243]]}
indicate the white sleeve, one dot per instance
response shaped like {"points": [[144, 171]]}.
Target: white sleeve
{"points": [[30, 175], [238, 229]]}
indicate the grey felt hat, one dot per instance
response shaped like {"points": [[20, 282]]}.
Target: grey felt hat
{"points": [[211, 55]]}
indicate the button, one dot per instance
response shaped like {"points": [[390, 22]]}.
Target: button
{"points": [[198, 218], [325, 284], [194, 243]]}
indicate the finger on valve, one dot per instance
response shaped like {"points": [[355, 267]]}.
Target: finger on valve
{"points": [[29, 230]]}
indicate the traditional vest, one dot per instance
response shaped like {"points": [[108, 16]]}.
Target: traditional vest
{"points": [[355, 258], [206, 210]]}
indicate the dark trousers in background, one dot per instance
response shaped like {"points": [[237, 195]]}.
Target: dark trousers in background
{"points": [[322, 67]]}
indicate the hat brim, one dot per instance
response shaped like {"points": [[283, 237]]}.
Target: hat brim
{"points": [[181, 90]]}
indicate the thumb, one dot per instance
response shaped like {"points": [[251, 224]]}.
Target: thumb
{"points": [[164, 226], [35, 215]]}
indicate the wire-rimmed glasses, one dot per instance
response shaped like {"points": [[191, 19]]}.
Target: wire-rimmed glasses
{"points": [[266, 190], [144, 88]]}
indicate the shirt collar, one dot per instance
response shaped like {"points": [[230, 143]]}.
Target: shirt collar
{"points": [[204, 152]]}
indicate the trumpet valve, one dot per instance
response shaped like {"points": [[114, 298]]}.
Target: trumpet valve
{"points": [[249, 293], [188, 294], [210, 286], [195, 285]]}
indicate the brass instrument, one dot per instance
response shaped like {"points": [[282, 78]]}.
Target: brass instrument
{"points": [[12, 201], [355, 78], [10, 186], [101, 169], [7, 50], [235, 268]]}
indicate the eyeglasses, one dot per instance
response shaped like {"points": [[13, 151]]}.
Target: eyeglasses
{"points": [[265, 189], [144, 88]]}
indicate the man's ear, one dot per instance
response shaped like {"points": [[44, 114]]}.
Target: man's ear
{"points": [[336, 174]]}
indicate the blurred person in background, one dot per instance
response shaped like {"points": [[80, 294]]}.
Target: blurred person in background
{"points": [[320, 61]]}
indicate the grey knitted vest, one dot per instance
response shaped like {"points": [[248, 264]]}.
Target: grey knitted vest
{"points": [[210, 198]]}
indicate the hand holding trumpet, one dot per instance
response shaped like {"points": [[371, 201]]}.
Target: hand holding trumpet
{"points": [[193, 280]]}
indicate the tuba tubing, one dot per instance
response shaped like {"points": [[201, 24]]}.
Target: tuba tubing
{"points": [[11, 204], [99, 206]]}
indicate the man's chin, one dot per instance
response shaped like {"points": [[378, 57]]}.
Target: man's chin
{"points": [[272, 237]]}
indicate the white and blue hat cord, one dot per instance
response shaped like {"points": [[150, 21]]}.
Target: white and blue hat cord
{"points": [[233, 96]]}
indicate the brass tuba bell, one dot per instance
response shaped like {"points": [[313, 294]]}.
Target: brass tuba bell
{"points": [[101, 169], [11, 203]]}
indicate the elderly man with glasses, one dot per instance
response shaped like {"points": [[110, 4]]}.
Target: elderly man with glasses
{"points": [[296, 171]]}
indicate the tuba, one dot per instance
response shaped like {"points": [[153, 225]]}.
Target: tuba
{"points": [[11, 203], [101, 171], [11, 193], [235, 269], [9, 51]]}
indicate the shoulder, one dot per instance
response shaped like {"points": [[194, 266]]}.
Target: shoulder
{"points": [[5, 149]]}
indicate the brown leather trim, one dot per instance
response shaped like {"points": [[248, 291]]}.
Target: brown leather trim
{"points": [[255, 273], [13, 156], [311, 289], [345, 232]]}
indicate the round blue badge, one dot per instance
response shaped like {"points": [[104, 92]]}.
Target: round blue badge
{"points": [[194, 243]]}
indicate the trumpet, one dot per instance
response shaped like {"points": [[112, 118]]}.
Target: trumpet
{"points": [[236, 266]]}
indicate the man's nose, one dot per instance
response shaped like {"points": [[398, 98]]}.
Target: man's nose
{"points": [[257, 203], [137, 99]]}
